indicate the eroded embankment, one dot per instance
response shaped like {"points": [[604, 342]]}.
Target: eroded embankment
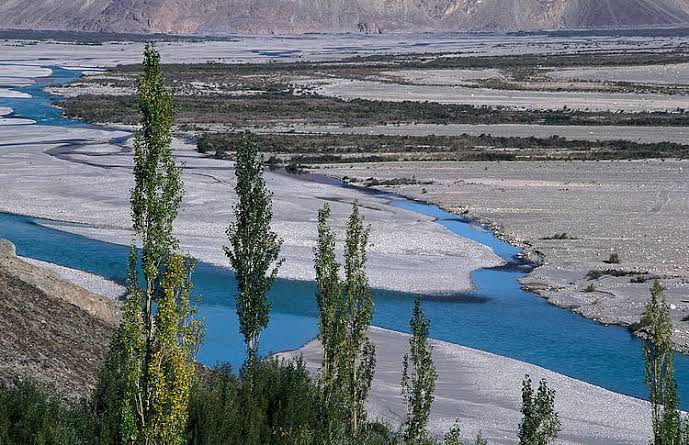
{"points": [[53, 332]]}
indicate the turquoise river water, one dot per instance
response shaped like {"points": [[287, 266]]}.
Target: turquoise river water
{"points": [[497, 316]]}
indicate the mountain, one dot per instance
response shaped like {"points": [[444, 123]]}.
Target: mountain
{"points": [[298, 16]]}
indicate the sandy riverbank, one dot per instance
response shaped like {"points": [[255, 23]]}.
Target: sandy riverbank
{"points": [[79, 176], [483, 391], [635, 209], [83, 175], [537, 100], [480, 389]]}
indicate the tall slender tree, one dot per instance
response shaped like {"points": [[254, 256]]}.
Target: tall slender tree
{"points": [[668, 426], [254, 248], [158, 337], [358, 352], [418, 383], [329, 298]]}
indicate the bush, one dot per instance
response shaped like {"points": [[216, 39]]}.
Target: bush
{"points": [[30, 415], [272, 402], [614, 258]]}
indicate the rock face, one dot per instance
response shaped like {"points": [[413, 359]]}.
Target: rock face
{"points": [[298, 16]]}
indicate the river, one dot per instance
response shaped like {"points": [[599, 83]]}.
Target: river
{"points": [[497, 316]]}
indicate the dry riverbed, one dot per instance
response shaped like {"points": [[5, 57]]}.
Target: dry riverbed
{"points": [[636, 210]]}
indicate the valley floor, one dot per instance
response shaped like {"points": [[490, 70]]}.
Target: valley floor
{"points": [[634, 209], [82, 175]]}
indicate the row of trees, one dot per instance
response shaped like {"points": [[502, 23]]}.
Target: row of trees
{"points": [[152, 392], [152, 357]]}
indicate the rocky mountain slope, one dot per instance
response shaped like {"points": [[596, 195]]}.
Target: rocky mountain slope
{"points": [[298, 16]]}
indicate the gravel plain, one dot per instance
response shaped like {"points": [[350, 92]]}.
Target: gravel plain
{"points": [[512, 99], [672, 74], [634, 209], [678, 135], [85, 179]]}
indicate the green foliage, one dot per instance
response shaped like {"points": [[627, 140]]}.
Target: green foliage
{"points": [[254, 248], [454, 435], [309, 149], [669, 428], [158, 188], [540, 424], [331, 305], [271, 402], [358, 355], [418, 383], [172, 366], [28, 415], [151, 366], [107, 400]]}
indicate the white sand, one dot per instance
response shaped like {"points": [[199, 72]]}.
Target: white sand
{"points": [[674, 74], [6, 92], [23, 71], [445, 77], [483, 391], [409, 252], [6, 111], [94, 283], [76, 174]]}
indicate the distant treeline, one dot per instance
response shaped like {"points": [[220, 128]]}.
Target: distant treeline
{"points": [[333, 148]]}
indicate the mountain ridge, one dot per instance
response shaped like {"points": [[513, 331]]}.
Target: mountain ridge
{"points": [[300, 16]]}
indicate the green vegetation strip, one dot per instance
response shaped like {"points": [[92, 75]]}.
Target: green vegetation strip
{"points": [[335, 148]]}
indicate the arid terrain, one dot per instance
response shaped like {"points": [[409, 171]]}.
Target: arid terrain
{"points": [[53, 332], [372, 16], [405, 123], [570, 217], [572, 149]]}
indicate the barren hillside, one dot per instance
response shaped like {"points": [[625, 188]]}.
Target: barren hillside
{"points": [[297, 16]]}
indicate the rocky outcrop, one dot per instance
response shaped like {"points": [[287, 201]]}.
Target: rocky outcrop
{"points": [[53, 332], [291, 16]]}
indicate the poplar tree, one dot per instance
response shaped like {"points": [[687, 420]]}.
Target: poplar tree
{"points": [[668, 426], [329, 298], [418, 383], [254, 248], [159, 337], [540, 423], [358, 352]]}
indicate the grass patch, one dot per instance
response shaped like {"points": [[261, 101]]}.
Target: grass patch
{"points": [[559, 236], [596, 274]]}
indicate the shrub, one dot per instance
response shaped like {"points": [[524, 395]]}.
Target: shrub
{"points": [[30, 415], [271, 402], [614, 258]]}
